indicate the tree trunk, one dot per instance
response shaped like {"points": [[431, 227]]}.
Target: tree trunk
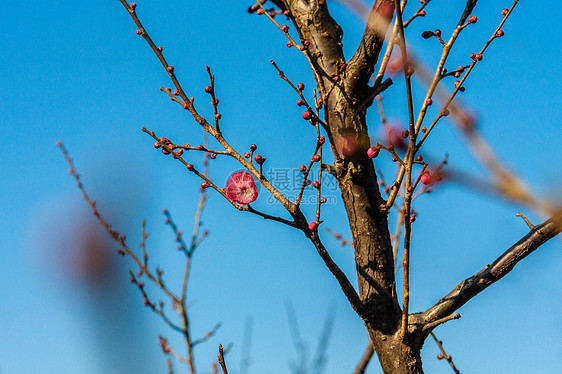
{"points": [[396, 357], [347, 96]]}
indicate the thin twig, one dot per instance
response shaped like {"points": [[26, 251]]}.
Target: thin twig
{"points": [[221, 359], [365, 359], [531, 226], [444, 354]]}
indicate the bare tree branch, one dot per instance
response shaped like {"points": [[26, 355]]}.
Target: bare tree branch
{"points": [[493, 272], [365, 359], [444, 354], [344, 283], [362, 64], [221, 359]]}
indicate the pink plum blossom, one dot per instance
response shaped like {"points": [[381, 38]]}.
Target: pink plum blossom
{"points": [[241, 188]]}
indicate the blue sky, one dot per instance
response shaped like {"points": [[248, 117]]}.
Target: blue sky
{"points": [[77, 72]]}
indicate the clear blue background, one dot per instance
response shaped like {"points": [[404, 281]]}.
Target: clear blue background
{"points": [[76, 71]]}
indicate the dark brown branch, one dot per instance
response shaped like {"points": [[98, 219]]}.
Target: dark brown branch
{"points": [[315, 25], [470, 4], [493, 272], [221, 359], [362, 64], [365, 359], [345, 284]]}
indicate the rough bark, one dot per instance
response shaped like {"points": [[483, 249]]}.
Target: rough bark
{"points": [[345, 93], [344, 87]]}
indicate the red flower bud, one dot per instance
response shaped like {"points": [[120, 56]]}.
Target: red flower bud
{"points": [[428, 102], [170, 69], [505, 11], [133, 6], [312, 226], [285, 28], [208, 89], [316, 158], [247, 154], [253, 147], [500, 33], [426, 177], [472, 19], [287, 13], [307, 115], [427, 34], [300, 86], [289, 44], [190, 167], [373, 152]]}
